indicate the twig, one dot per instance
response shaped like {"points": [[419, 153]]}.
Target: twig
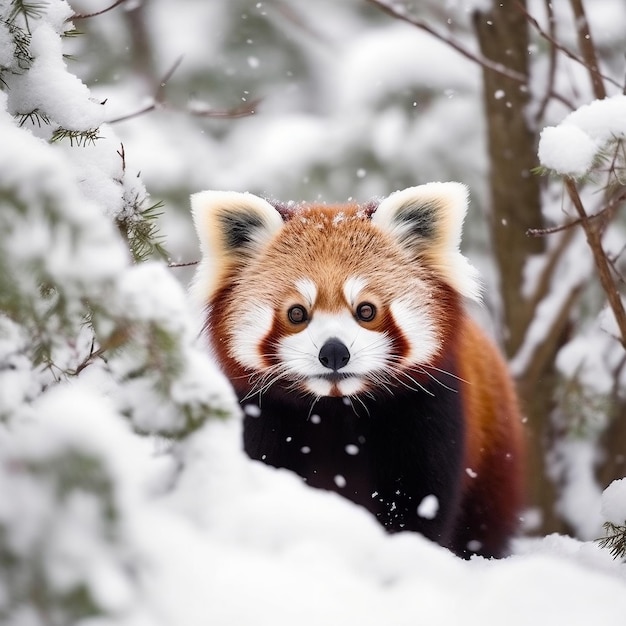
{"points": [[545, 279], [122, 154], [292, 16], [593, 69], [245, 110], [468, 54], [117, 339], [187, 264], [594, 240], [495, 67], [606, 212], [84, 16], [551, 230], [613, 262], [159, 95], [159, 102]]}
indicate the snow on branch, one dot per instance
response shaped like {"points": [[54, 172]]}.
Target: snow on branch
{"points": [[578, 148]]}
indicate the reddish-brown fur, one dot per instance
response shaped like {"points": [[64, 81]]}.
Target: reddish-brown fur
{"points": [[494, 440], [475, 454]]}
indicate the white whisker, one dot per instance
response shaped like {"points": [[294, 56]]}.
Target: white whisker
{"points": [[360, 401], [437, 369], [397, 373], [437, 380]]}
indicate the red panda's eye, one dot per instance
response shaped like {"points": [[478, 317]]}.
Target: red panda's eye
{"points": [[297, 314], [366, 312]]}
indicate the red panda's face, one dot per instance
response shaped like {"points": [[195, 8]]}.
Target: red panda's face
{"points": [[328, 300]]}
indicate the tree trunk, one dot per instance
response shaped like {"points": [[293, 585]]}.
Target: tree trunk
{"points": [[515, 207], [613, 465]]}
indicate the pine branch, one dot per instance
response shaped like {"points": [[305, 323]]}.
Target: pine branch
{"points": [[26, 10], [76, 137], [615, 539], [21, 42], [140, 229], [34, 117], [72, 32], [145, 242]]}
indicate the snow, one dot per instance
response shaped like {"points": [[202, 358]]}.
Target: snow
{"points": [[428, 507], [573, 270], [572, 147], [567, 150], [572, 465], [183, 529], [416, 58], [614, 502], [47, 86]]}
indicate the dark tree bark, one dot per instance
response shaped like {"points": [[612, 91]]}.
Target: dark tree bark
{"points": [[516, 207]]}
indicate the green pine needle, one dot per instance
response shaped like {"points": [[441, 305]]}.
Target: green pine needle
{"points": [[76, 137], [141, 232], [34, 117], [615, 540], [27, 10]]}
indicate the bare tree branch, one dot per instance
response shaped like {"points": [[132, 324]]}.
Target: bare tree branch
{"points": [[118, 338], [545, 279], [594, 240], [290, 14], [84, 16], [396, 12], [588, 49], [159, 101], [591, 66], [606, 213], [499, 68], [552, 64]]}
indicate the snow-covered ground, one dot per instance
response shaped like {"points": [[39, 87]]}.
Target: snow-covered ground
{"points": [[102, 526], [236, 542]]}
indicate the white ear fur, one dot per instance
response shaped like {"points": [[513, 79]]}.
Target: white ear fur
{"points": [[428, 220], [231, 227]]}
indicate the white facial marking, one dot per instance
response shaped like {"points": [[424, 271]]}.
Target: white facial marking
{"points": [[351, 289], [319, 386], [369, 352], [249, 334], [308, 289], [418, 328], [350, 386]]}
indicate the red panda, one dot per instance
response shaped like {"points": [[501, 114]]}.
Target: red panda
{"points": [[343, 331]]}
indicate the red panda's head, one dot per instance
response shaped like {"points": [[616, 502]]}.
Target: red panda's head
{"points": [[332, 300]]}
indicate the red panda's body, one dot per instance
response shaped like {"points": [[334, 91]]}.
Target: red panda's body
{"points": [[344, 334]]}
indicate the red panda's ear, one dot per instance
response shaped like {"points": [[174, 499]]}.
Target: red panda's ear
{"points": [[232, 227], [428, 220]]}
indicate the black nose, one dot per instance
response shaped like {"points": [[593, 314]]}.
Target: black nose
{"points": [[334, 355]]}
